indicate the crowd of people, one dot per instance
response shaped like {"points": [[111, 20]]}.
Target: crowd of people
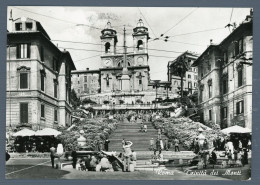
{"points": [[124, 161], [232, 148]]}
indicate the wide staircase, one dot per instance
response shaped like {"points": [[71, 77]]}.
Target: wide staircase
{"points": [[130, 131]]}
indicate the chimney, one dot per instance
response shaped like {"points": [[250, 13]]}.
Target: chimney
{"points": [[87, 69], [211, 40]]}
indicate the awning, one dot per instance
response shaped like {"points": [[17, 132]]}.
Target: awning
{"points": [[236, 129], [24, 132], [47, 132]]}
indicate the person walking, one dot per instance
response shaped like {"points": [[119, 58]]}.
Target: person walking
{"points": [[176, 143], [52, 154]]}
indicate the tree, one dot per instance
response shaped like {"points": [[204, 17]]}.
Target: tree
{"points": [[179, 68], [121, 102], [194, 97], [75, 101]]}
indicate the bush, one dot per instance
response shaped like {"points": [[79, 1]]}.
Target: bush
{"points": [[94, 130]]}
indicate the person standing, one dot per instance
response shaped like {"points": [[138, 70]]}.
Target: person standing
{"points": [[166, 144], [123, 141], [106, 144], [159, 133], [74, 158], [134, 158], [176, 143], [249, 145], [158, 146], [52, 154], [240, 145], [145, 128], [127, 154], [161, 144], [87, 162], [151, 144], [100, 145]]}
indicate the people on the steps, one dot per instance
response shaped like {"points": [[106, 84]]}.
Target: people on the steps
{"points": [[176, 144], [166, 143], [151, 144], [106, 144], [123, 141], [145, 128]]}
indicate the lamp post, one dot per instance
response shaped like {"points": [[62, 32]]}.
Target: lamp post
{"points": [[156, 93]]}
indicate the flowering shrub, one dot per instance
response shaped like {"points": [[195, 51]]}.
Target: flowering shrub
{"points": [[186, 130]]}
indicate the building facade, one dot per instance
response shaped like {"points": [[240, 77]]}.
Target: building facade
{"points": [[190, 80], [38, 78], [225, 79]]}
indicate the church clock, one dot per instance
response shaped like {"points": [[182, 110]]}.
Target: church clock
{"points": [[140, 61], [108, 62]]}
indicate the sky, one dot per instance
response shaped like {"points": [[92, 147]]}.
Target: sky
{"points": [[188, 29]]}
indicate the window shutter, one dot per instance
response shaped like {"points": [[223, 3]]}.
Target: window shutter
{"points": [[237, 105], [242, 105], [42, 111]]}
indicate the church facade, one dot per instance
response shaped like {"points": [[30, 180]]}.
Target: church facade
{"points": [[124, 76]]}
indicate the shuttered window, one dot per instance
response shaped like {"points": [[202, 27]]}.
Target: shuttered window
{"points": [[240, 77], [24, 112], [42, 82], [23, 51], [240, 107], [210, 115], [55, 89], [23, 80], [224, 112]]}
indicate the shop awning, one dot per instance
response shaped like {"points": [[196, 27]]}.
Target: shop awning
{"points": [[47, 132], [24, 132], [236, 129]]}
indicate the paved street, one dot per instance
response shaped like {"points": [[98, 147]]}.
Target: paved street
{"points": [[41, 169]]}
